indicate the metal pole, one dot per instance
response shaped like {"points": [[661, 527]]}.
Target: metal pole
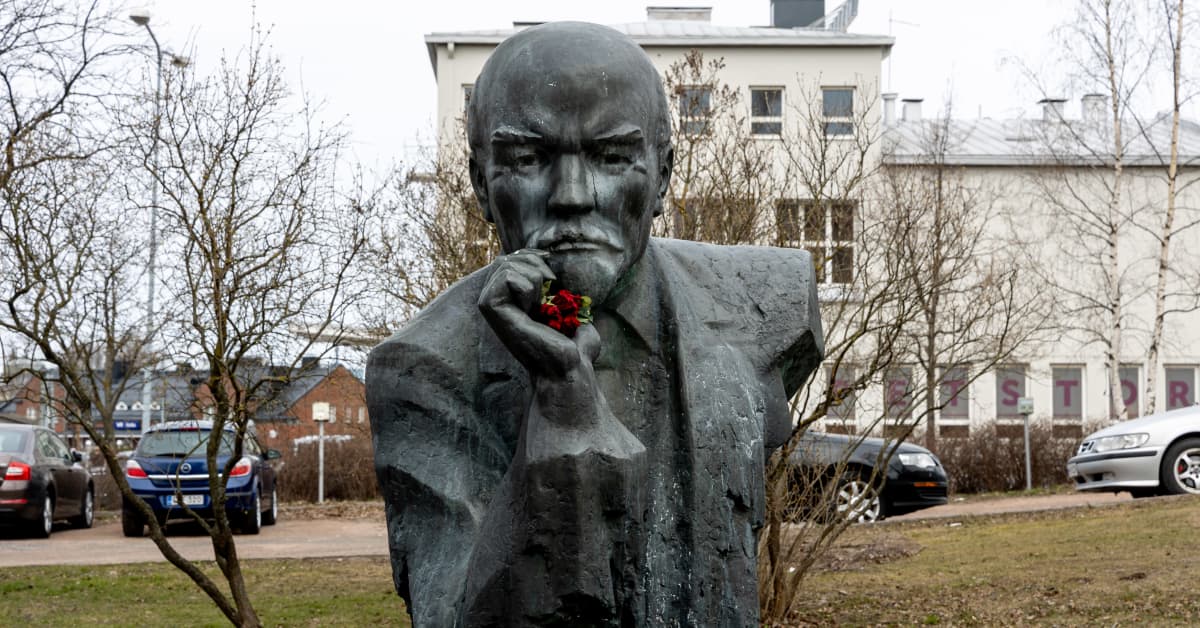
{"points": [[147, 386], [321, 462], [1028, 466]]}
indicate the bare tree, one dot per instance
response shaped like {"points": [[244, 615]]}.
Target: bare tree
{"points": [[932, 295], [257, 246], [257, 243], [67, 260], [428, 231], [1178, 26]]}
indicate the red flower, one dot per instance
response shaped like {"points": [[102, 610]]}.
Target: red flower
{"points": [[564, 312]]}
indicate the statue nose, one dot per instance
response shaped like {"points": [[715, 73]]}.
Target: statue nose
{"points": [[574, 188]]}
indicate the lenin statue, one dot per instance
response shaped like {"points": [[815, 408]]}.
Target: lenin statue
{"points": [[602, 473]]}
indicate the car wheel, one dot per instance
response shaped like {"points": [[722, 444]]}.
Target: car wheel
{"points": [[45, 521], [272, 514], [1181, 468], [252, 519], [87, 511], [131, 522], [857, 501]]}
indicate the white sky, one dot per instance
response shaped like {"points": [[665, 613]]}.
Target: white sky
{"points": [[367, 61]]}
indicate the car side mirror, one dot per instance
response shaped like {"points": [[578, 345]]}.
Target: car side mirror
{"points": [[274, 454], [76, 455]]}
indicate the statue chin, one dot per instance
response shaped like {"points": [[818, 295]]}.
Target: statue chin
{"points": [[589, 275]]}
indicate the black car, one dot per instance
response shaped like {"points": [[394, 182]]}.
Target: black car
{"points": [[169, 471], [836, 473], [42, 480]]}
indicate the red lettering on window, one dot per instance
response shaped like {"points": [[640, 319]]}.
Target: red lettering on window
{"points": [[1066, 385]]}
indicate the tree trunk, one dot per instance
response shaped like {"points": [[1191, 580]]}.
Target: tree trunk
{"points": [[1168, 223]]}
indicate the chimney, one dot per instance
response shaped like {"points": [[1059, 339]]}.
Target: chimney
{"points": [[797, 13], [1052, 109], [912, 109], [1094, 107], [684, 14], [889, 108]]}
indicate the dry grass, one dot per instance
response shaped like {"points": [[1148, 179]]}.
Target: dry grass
{"points": [[1115, 565]]}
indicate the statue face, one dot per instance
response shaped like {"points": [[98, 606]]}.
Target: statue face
{"points": [[570, 166]]}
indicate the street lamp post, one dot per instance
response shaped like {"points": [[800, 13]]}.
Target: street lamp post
{"points": [[143, 19]]}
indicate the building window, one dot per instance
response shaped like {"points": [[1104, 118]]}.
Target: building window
{"points": [[1068, 392], [1180, 386], [837, 108], [955, 395], [841, 382], [695, 109], [766, 110], [1131, 384], [826, 230], [1010, 387], [467, 91], [898, 393], [362, 414]]}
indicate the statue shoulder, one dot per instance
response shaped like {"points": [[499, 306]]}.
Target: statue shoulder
{"points": [[445, 331], [754, 267]]}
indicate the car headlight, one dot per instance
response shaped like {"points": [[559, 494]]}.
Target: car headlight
{"points": [[919, 460], [1122, 441]]}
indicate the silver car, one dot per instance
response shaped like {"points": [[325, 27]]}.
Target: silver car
{"points": [[1154, 455]]}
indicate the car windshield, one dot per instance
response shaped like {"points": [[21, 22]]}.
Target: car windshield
{"points": [[181, 443], [13, 441]]}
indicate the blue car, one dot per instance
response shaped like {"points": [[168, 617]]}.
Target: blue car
{"points": [[169, 471]]}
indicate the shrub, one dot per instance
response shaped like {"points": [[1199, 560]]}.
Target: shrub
{"points": [[349, 471], [992, 458]]}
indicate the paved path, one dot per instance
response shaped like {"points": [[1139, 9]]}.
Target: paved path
{"points": [[968, 506], [366, 535], [104, 543]]}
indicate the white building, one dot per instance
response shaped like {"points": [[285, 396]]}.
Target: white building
{"points": [[1065, 378]]}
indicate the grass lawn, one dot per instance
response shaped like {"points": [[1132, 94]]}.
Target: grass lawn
{"points": [[1121, 564], [291, 592]]}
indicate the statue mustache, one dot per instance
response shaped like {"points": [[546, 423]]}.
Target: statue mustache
{"points": [[559, 239]]}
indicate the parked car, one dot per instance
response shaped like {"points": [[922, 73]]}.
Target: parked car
{"points": [[42, 480], [912, 479], [1154, 455], [169, 471]]}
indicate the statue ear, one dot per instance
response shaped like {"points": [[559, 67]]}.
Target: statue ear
{"points": [[665, 165], [479, 182]]}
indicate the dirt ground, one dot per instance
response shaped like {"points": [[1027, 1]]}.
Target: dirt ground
{"points": [[346, 529]]}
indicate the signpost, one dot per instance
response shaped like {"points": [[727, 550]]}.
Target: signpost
{"points": [[320, 414], [1025, 408]]}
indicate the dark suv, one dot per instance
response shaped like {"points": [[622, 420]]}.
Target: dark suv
{"points": [[169, 471]]}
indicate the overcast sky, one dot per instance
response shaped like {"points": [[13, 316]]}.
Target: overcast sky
{"points": [[367, 61]]}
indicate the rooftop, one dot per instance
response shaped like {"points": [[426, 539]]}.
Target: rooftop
{"points": [[1024, 142], [684, 33]]}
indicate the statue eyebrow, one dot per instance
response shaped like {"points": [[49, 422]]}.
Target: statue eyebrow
{"points": [[511, 135], [623, 135]]}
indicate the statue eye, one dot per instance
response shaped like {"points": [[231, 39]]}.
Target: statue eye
{"points": [[524, 157], [614, 158]]}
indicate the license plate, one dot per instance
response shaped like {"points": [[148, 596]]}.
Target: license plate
{"points": [[188, 500]]}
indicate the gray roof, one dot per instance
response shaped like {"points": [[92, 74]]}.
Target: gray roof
{"points": [[1023, 142], [686, 33]]}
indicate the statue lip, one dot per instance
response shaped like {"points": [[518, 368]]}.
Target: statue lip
{"points": [[573, 242]]}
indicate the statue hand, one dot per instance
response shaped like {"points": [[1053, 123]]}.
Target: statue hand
{"points": [[511, 293]]}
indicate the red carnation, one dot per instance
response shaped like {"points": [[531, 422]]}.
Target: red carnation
{"points": [[564, 312]]}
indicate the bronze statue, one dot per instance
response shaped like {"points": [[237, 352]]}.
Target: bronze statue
{"points": [[612, 478]]}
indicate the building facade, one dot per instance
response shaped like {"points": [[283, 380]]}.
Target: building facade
{"points": [[825, 81]]}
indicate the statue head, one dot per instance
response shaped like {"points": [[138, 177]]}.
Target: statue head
{"points": [[571, 149]]}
